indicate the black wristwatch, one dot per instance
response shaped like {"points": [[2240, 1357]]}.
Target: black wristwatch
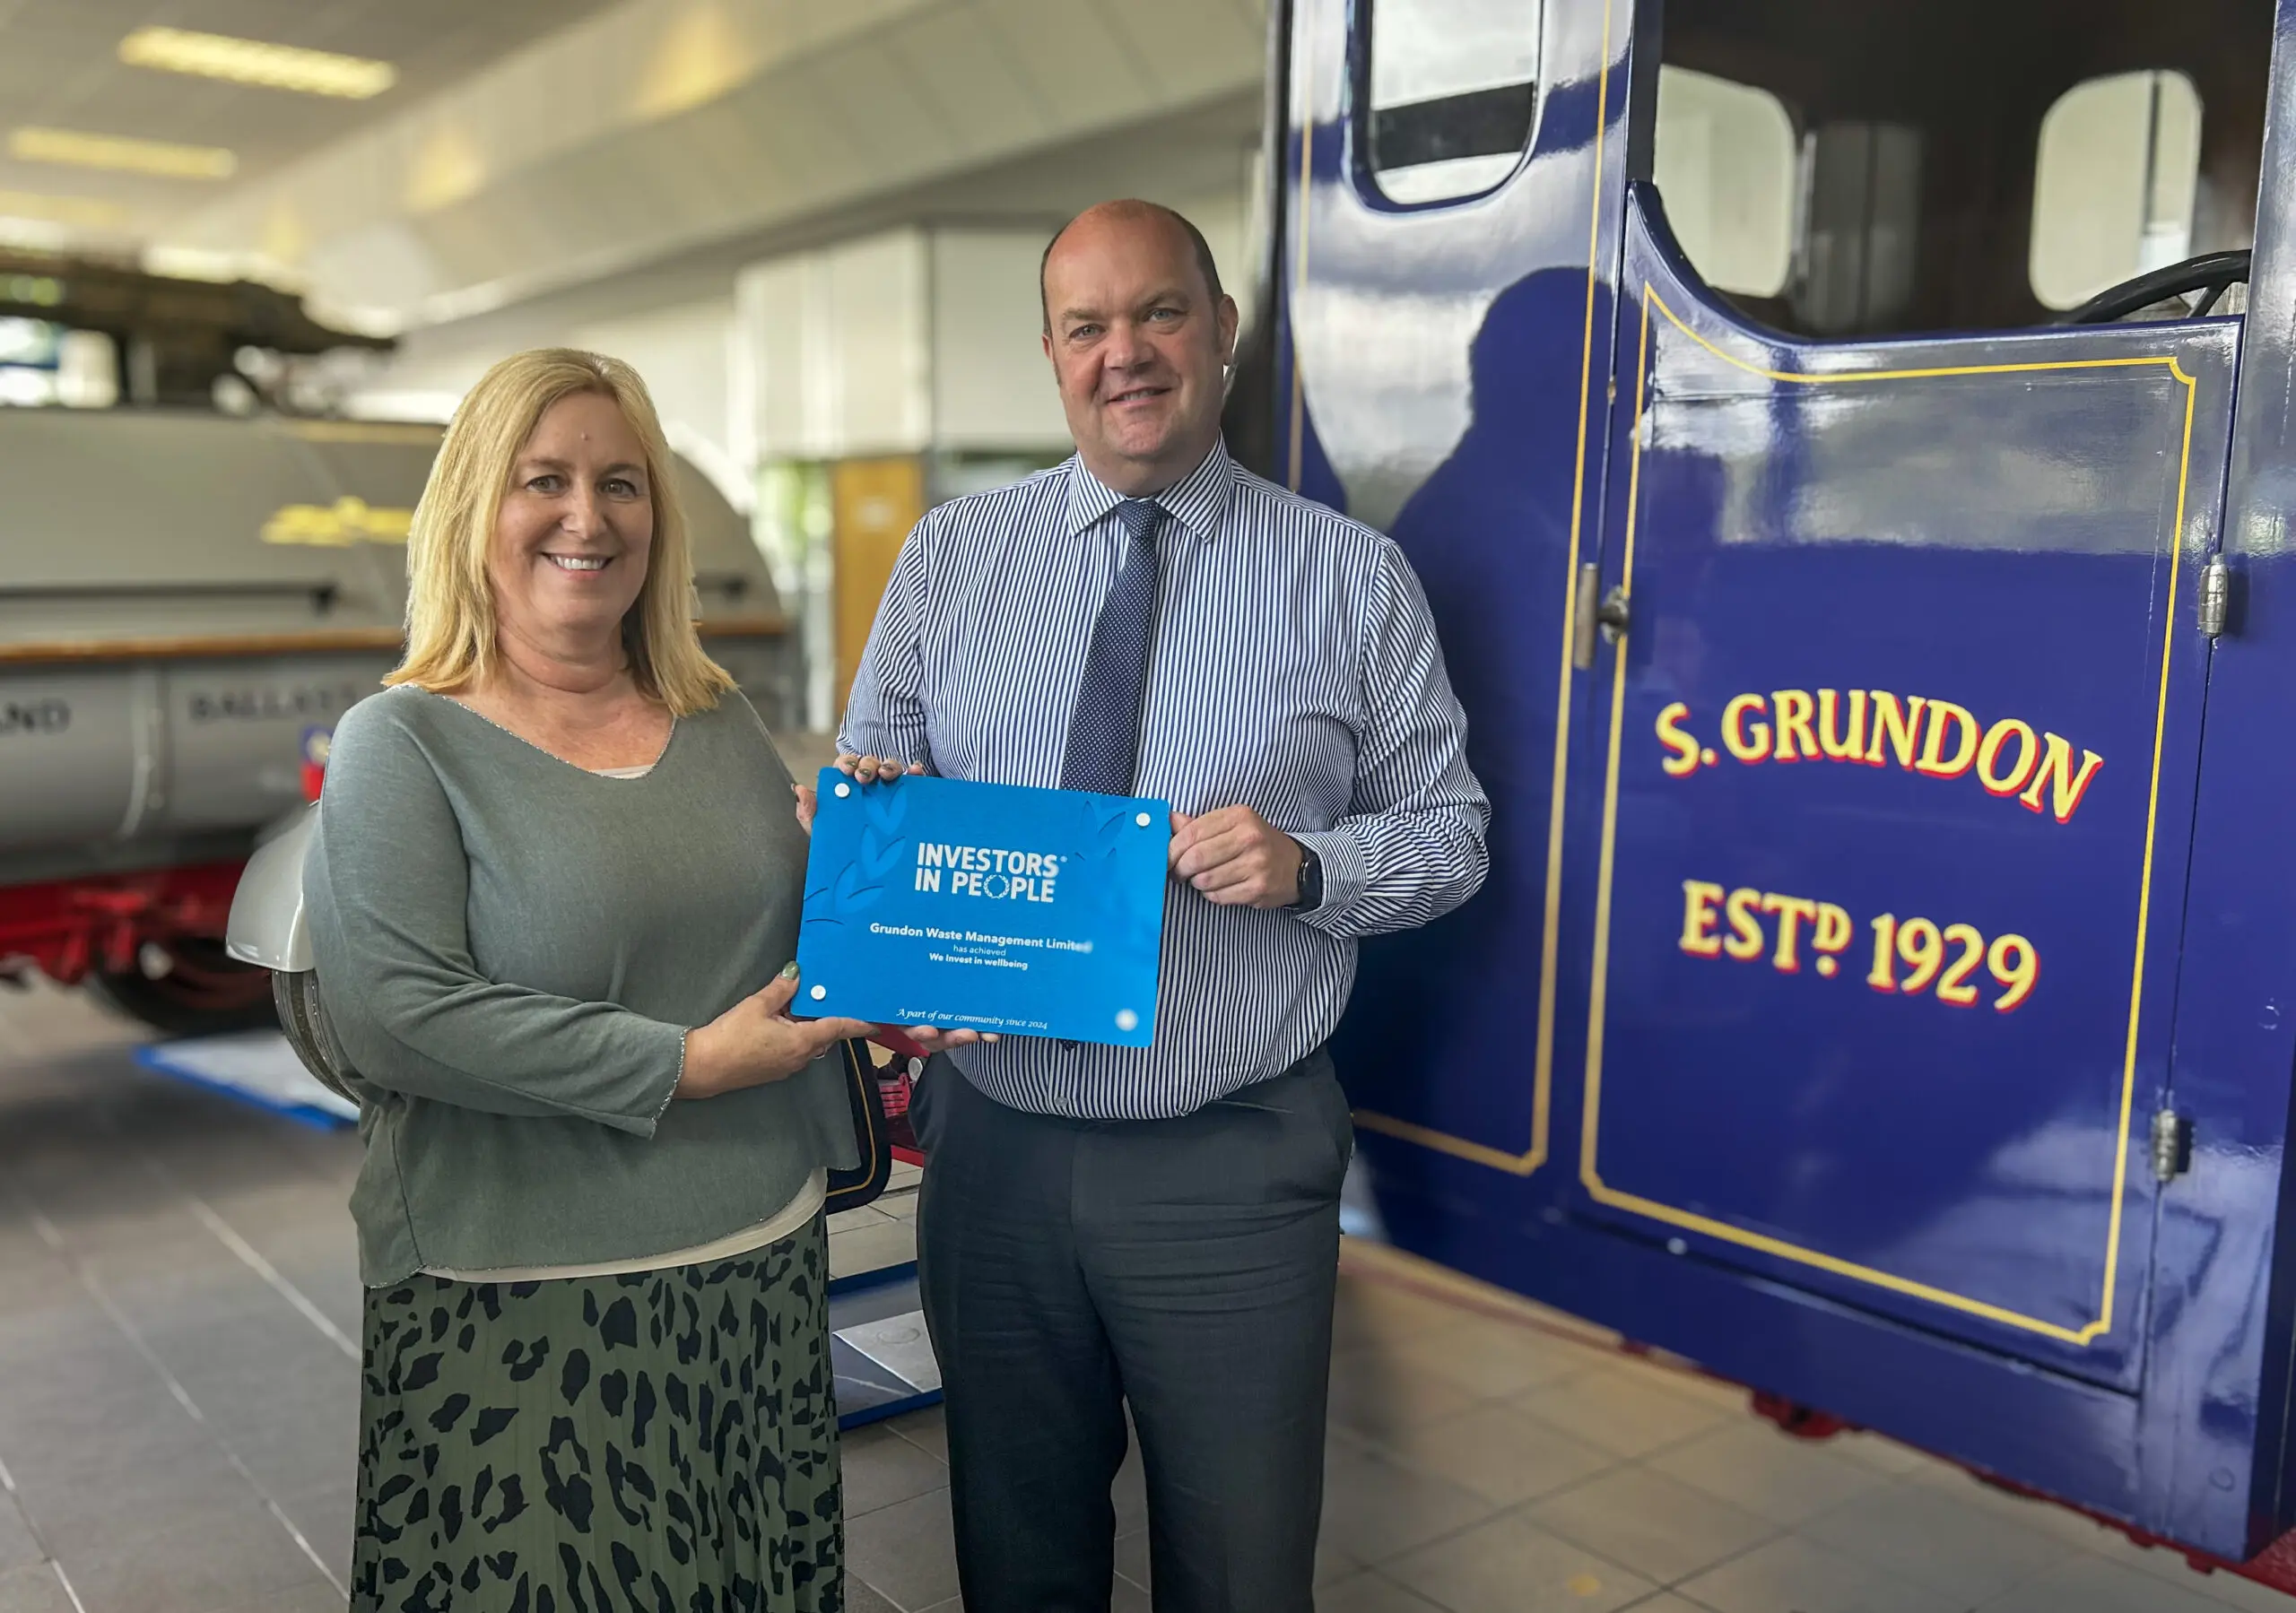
{"points": [[1311, 879]]}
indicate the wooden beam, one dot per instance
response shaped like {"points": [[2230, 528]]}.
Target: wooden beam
{"points": [[65, 651]]}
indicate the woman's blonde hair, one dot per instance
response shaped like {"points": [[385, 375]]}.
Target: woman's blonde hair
{"points": [[450, 616]]}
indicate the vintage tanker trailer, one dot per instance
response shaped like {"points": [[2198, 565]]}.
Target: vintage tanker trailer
{"points": [[187, 602]]}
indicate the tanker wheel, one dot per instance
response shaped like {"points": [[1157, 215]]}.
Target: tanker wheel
{"points": [[186, 986]]}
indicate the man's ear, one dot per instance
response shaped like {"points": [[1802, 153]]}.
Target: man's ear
{"points": [[1229, 319], [1046, 340]]}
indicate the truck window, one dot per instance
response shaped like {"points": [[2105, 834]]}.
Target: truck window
{"points": [[1861, 226], [1725, 168], [1449, 92], [2114, 184], [1941, 188]]}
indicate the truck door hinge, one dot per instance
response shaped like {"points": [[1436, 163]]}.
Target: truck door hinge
{"points": [[2215, 596], [1585, 602], [2171, 1145]]}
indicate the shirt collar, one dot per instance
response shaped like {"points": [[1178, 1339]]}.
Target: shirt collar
{"points": [[1197, 501]]}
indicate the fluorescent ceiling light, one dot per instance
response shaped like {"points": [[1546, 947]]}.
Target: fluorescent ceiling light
{"points": [[117, 152], [255, 62]]}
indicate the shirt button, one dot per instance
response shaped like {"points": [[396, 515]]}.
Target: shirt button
{"points": [[1068, 1046]]}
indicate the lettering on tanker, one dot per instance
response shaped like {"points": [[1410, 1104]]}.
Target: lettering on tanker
{"points": [[1946, 956], [1875, 728], [34, 716]]}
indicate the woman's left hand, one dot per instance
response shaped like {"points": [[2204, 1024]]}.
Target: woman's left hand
{"points": [[808, 801]]}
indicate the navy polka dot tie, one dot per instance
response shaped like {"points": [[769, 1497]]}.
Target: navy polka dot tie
{"points": [[1104, 732]]}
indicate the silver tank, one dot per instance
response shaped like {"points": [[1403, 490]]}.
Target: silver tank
{"points": [[185, 598]]}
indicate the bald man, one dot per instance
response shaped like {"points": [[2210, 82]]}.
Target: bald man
{"points": [[1158, 1227]]}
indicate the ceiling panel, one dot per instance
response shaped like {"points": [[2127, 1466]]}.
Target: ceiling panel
{"points": [[59, 67], [985, 105], [1079, 68], [633, 129]]}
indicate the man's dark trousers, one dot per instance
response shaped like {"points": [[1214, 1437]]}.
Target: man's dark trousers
{"points": [[1186, 1266]]}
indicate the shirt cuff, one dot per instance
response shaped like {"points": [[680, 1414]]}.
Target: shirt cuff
{"points": [[1347, 875], [660, 1053], [676, 1081]]}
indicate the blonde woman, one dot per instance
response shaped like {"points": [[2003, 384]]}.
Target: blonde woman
{"points": [[555, 888]]}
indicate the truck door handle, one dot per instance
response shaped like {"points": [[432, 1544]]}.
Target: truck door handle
{"points": [[1592, 615]]}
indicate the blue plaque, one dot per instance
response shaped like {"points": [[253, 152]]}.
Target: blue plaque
{"points": [[990, 907]]}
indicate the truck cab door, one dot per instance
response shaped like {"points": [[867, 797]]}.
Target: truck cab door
{"points": [[1896, 765]]}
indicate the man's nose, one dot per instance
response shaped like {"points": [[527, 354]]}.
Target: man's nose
{"points": [[1128, 347]]}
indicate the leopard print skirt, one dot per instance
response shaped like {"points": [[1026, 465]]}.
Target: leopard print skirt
{"points": [[663, 1442]]}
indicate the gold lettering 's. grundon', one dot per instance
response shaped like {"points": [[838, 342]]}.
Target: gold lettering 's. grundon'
{"points": [[1873, 727]]}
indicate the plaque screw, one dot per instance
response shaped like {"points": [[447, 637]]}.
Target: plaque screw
{"points": [[843, 791], [1143, 820], [820, 991]]}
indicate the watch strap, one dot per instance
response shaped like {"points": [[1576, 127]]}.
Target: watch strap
{"points": [[1311, 879]]}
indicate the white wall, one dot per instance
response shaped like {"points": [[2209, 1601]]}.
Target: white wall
{"points": [[684, 351], [916, 339], [1226, 218], [991, 388], [684, 354], [831, 351], [919, 339], [900, 343]]}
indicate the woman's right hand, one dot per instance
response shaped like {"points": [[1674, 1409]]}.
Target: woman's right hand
{"points": [[755, 1042], [933, 1039]]}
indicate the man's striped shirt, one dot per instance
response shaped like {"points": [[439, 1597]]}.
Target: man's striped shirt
{"points": [[1294, 670]]}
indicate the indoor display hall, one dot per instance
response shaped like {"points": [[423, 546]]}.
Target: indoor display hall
{"points": [[1242, 806]]}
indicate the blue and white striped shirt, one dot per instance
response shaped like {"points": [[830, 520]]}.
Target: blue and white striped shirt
{"points": [[1294, 671]]}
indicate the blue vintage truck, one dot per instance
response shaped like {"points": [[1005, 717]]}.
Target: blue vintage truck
{"points": [[1850, 452]]}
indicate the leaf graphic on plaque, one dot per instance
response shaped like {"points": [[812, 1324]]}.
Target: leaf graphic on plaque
{"points": [[884, 808], [852, 893], [1109, 829], [878, 855]]}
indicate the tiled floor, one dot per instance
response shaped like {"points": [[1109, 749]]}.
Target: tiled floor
{"points": [[882, 1234], [178, 1308]]}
